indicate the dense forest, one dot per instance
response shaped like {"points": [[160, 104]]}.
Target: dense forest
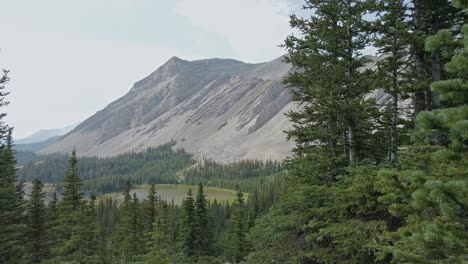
{"points": [[366, 183]]}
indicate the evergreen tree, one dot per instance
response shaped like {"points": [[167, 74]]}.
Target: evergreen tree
{"points": [[71, 210], [203, 235], [38, 240], [11, 194], [394, 66], [428, 17], [158, 252], [429, 190], [237, 238], [188, 226], [130, 231], [149, 207]]}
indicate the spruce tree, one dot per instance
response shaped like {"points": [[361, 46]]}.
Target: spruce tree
{"points": [[158, 253], [71, 214], [150, 207], [439, 199], [428, 17], [203, 233], [331, 83], [188, 233], [11, 193], [129, 236], [394, 74], [236, 244], [37, 233]]}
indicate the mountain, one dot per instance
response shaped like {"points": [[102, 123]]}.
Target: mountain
{"points": [[34, 147], [220, 109], [45, 134]]}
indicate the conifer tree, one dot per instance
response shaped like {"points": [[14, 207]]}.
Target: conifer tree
{"points": [[72, 193], [331, 83], [394, 66], [428, 17], [11, 200], [130, 231], [237, 238], [37, 234], [429, 190], [150, 208], [203, 235], [158, 252], [71, 210], [189, 236]]}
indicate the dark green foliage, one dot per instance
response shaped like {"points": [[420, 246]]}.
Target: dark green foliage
{"points": [[429, 188], [36, 230], [236, 243], [11, 193], [128, 240], [393, 69], [203, 233], [246, 175], [154, 165], [188, 226], [149, 209], [335, 211]]}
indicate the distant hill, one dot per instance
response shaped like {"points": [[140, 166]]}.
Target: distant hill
{"points": [[44, 135], [34, 147]]}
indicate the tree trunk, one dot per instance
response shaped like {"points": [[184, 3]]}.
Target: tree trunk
{"points": [[422, 98], [394, 130], [352, 145], [436, 63]]}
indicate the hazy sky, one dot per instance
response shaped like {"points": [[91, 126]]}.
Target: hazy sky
{"points": [[70, 58]]}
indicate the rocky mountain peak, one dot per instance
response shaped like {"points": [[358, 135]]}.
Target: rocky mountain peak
{"points": [[216, 108]]}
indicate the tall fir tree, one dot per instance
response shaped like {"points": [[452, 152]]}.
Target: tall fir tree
{"points": [[188, 234], [150, 206], [71, 213], [37, 233], [130, 231], [11, 193], [236, 244], [394, 74], [428, 17], [203, 232], [429, 190]]}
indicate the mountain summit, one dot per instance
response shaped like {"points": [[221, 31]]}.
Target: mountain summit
{"points": [[221, 109]]}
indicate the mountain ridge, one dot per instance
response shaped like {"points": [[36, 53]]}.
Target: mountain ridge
{"points": [[222, 109]]}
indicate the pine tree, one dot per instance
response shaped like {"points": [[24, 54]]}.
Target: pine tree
{"points": [[237, 238], [149, 207], [37, 234], [11, 193], [428, 17], [130, 231], [331, 83], [71, 213], [394, 65], [53, 223], [188, 238], [434, 202], [158, 252], [203, 236]]}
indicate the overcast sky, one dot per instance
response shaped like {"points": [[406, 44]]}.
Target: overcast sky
{"points": [[70, 58]]}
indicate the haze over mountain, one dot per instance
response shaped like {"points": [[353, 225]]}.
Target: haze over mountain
{"points": [[45, 134], [221, 109]]}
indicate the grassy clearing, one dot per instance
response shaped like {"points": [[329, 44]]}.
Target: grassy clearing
{"points": [[177, 192]]}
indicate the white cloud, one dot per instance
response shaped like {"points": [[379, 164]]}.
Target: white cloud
{"points": [[254, 28]]}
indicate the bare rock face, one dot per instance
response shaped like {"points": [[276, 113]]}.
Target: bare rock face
{"points": [[220, 109]]}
